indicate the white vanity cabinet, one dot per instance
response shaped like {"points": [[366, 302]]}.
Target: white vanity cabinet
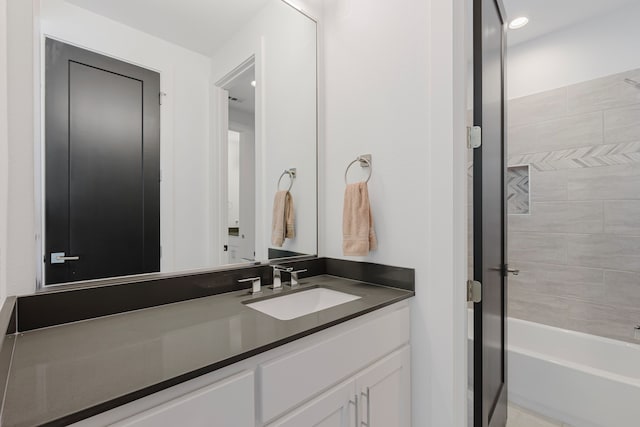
{"points": [[355, 374], [224, 403], [289, 380], [334, 408], [385, 391], [379, 396]]}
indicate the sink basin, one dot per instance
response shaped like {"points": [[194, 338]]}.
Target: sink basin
{"points": [[290, 306]]}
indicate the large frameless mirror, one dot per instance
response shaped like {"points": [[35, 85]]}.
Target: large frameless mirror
{"points": [[176, 136]]}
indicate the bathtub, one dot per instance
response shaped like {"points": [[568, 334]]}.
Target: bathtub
{"points": [[576, 378]]}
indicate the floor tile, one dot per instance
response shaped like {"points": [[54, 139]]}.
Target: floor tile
{"points": [[519, 417]]}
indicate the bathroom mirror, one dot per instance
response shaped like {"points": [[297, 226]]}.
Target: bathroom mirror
{"points": [[167, 129]]}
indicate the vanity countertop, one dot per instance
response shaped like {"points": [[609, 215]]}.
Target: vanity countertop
{"points": [[65, 373]]}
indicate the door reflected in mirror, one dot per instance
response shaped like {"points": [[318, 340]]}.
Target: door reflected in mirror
{"points": [[166, 128], [241, 108]]}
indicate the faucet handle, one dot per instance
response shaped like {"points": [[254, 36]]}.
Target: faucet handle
{"points": [[278, 267], [256, 284], [294, 277]]}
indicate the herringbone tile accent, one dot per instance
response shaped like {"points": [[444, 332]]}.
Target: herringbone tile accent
{"points": [[518, 190], [583, 157]]}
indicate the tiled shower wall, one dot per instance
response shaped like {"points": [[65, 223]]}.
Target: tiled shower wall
{"points": [[578, 249]]}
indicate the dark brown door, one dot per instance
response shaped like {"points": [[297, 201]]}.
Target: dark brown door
{"points": [[102, 160], [489, 215]]}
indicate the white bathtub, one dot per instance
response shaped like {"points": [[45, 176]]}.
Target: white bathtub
{"points": [[579, 379]]}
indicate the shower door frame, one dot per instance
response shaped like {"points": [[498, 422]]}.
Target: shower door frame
{"points": [[490, 255]]}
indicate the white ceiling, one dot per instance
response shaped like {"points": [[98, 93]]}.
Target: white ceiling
{"points": [[198, 25], [547, 16], [241, 88]]}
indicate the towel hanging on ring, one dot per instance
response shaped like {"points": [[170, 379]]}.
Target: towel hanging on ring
{"points": [[358, 233], [282, 224]]}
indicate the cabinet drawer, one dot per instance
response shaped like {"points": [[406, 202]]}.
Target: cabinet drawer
{"points": [[336, 407], [294, 378], [225, 403]]}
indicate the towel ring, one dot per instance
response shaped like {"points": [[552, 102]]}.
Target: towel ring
{"points": [[361, 159], [292, 175]]}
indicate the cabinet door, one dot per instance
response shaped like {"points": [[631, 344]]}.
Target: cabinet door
{"points": [[227, 403], [385, 391], [334, 408], [285, 382]]}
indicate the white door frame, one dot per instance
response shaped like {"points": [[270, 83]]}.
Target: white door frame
{"points": [[219, 158], [247, 134]]}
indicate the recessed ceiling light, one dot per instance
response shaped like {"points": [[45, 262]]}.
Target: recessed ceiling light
{"points": [[253, 83], [519, 22]]}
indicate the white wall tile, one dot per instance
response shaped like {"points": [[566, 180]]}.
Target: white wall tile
{"points": [[561, 217], [618, 182], [548, 186], [602, 94], [622, 125], [603, 320], [538, 247], [539, 107], [605, 251], [557, 134], [622, 217]]}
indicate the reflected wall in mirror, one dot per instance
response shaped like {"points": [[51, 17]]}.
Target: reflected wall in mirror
{"points": [[166, 129]]}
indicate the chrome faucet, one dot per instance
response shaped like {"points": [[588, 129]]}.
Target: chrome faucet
{"points": [[256, 285], [277, 278], [295, 280]]}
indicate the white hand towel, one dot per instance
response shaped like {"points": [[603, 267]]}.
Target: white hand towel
{"points": [[359, 236], [283, 218]]}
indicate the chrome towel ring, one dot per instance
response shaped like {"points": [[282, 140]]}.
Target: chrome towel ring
{"points": [[365, 162], [292, 175]]}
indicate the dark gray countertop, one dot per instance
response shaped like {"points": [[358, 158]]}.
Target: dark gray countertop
{"points": [[65, 373]]}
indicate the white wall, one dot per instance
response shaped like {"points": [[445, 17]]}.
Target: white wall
{"points": [[4, 151], [394, 85], [185, 191], [284, 46], [585, 51], [21, 230]]}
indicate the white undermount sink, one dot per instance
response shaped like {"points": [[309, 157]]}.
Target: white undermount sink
{"points": [[287, 307]]}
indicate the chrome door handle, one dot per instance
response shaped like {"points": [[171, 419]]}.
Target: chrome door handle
{"points": [[356, 410], [513, 271], [60, 258], [367, 395]]}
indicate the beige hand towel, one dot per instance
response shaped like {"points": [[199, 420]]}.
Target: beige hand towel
{"points": [[358, 234], [283, 218]]}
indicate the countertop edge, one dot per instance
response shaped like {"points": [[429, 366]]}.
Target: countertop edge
{"points": [[139, 394]]}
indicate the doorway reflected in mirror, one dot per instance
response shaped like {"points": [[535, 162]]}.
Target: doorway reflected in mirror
{"points": [[228, 119]]}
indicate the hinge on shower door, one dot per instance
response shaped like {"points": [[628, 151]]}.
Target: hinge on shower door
{"points": [[474, 137], [474, 291]]}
